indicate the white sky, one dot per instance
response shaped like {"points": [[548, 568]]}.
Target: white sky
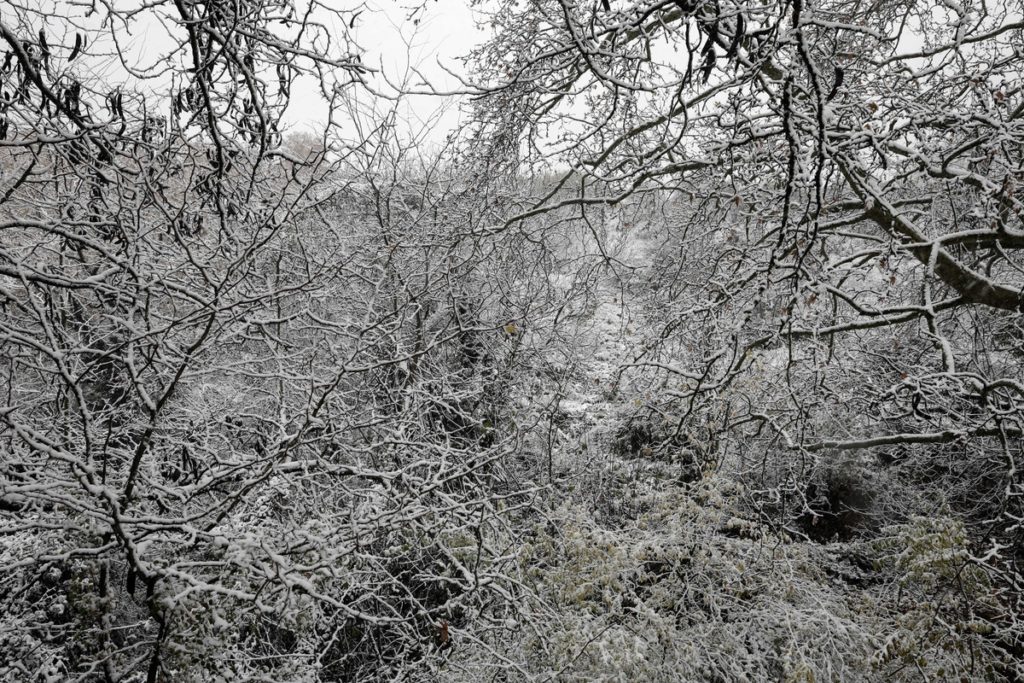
{"points": [[388, 40], [394, 45]]}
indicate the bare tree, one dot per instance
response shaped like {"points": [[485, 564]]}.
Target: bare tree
{"points": [[838, 278], [253, 423]]}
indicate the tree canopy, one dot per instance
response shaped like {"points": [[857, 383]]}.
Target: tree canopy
{"points": [[695, 355]]}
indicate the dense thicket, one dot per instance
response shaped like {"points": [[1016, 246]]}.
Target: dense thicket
{"points": [[695, 357]]}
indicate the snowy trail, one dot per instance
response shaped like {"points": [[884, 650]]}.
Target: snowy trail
{"points": [[609, 336]]}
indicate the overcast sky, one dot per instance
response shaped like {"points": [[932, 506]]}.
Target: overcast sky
{"points": [[387, 38], [394, 44]]}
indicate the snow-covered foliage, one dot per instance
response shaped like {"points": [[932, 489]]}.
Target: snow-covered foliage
{"points": [[694, 356]]}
